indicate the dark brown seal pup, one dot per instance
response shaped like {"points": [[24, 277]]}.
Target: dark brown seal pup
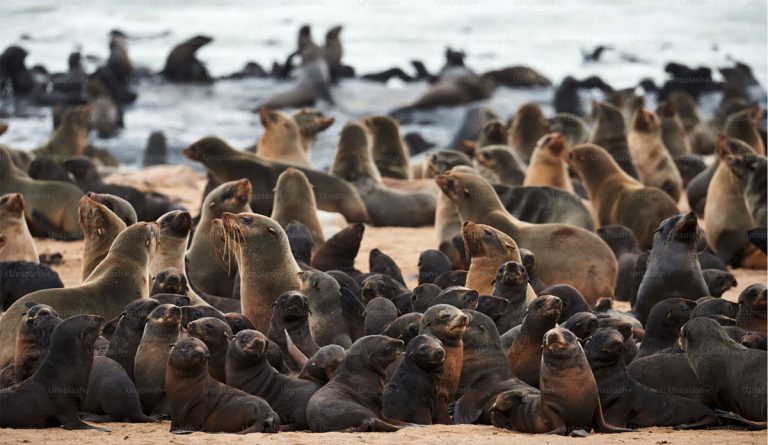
{"points": [[752, 308], [662, 329], [379, 313], [511, 284], [406, 327], [734, 373], [625, 247], [182, 65], [625, 402], [161, 330], [128, 332], [112, 395], [611, 134], [380, 262], [433, 263], [568, 399], [673, 269], [216, 335], [458, 296], [200, 403], [336, 315], [320, 367], [249, 370], [290, 316], [340, 250], [525, 353], [352, 399], [33, 340], [411, 393], [51, 397], [582, 324]]}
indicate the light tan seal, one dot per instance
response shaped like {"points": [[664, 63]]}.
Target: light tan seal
{"points": [[311, 122], [389, 151], [281, 140], [51, 206], [19, 244], [744, 125], [122, 277], [266, 264], [295, 201], [654, 164], [528, 126], [100, 228], [617, 198], [71, 138], [549, 163], [565, 254]]}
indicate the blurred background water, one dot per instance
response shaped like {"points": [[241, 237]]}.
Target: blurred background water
{"points": [[548, 35]]}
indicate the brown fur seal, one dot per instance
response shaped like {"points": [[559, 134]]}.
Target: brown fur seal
{"points": [[500, 164], [70, 138], [752, 308], [525, 353], [294, 201], [128, 332], [119, 279], [119, 206], [264, 259], [311, 122], [753, 173], [511, 285], [204, 272], [200, 403], [549, 163], [697, 127], [527, 127], [411, 393], [216, 335], [36, 326], [447, 324], [568, 399], [352, 399], [592, 271], [670, 373], [161, 330], [611, 134], [340, 250], [354, 162], [734, 373], [249, 370], [673, 133], [662, 328], [387, 147], [626, 402], [744, 126], [100, 228], [19, 245], [336, 315], [290, 316], [652, 159], [618, 198], [51, 206], [181, 64], [50, 397], [320, 367], [227, 164], [281, 140]]}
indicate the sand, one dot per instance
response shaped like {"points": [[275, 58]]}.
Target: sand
{"points": [[404, 245]]}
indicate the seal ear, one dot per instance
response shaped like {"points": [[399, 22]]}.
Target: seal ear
{"points": [[466, 191]]}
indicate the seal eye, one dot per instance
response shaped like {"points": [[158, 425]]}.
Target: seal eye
{"points": [[247, 220]]}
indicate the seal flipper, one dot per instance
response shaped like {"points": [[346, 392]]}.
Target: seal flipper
{"points": [[601, 426], [352, 310], [731, 418], [298, 357], [468, 408]]}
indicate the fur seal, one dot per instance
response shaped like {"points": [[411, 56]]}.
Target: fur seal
{"points": [[625, 247], [46, 399], [128, 332], [432, 263], [718, 281], [112, 395], [573, 128], [249, 371], [51, 206], [731, 371], [411, 393], [610, 133], [751, 315], [182, 66], [387, 147], [751, 170], [654, 163], [744, 125], [527, 127], [70, 138], [549, 163], [118, 280], [379, 313], [662, 329], [20, 278], [582, 324], [336, 315], [19, 244], [290, 316], [33, 339], [161, 329], [624, 401], [156, 151], [568, 399], [210, 276], [511, 284], [216, 335], [294, 201], [500, 164], [352, 399], [340, 250], [320, 367], [458, 296], [226, 164], [119, 206], [198, 402], [697, 127], [266, 265], [300, 240], [593, 272], [616, 197], [673, 133], [524, 355], [311, 122], [100, 228], [281, 140], [670, 373]]}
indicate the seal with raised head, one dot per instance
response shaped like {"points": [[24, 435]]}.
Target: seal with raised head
{"points": [[549, 163], [100, 228], [525, 353], [388, 149], [70, 138], [281, 140], [216, 335], [198, 402], [654, 163], [751, 315], [336, 315], [527, 127], [610, 133], [162, 329], [340, 250], [500, 164], [290, 316], [19, 245], [182, 66], [128, 332], [294, 201], [352, 399]]}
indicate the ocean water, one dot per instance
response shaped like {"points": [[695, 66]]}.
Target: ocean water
{"points": [[548, 35]]}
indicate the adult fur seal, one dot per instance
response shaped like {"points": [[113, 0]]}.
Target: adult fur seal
{"points": [[618, 198], [249, 370], [264, 259], [182, 65], [734, 373], [200, 403], [51, 396], [51, 206], [70, 138], [118, 280], [226, 164], [387, 147], [281, 140], [19, 244], [294, 201], [593, 272], [549, 163], [100, 228], [527, 127], [673, 269], [161, 330], [525, 353], [354, 162], [352, 399], [568, 399], [654, 163], [311, 122], [611, 134], [411, 393]]}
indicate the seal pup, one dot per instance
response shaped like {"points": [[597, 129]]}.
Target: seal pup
{"points": [[117, 205], [336, 314], [744, 125], [340, 250], [290, 317], [352, 399], [654, 163], [500, 164], [294, 201], [156, 151], [161, 329], [216, 335], [751, 170], [511, 284], [248, 370], [46, 399], [198, 402], [616, 197], [320, 367], [432, 263], [33, 340], [625, 247], [19, 245], [662, 328], [182, 66], [129, 329], [281, 140], [751, 315]]}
